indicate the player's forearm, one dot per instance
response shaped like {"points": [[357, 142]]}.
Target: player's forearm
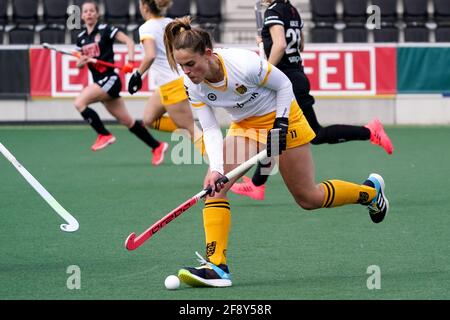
{"points": [[280, 83], [145, 64], [276, 53], [212, 137], [130, 46], [213, 140]]}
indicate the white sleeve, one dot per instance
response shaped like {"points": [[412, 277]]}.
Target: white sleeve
{"points": [[262, 73], [146, 32], [280, 83], [212, 137]]}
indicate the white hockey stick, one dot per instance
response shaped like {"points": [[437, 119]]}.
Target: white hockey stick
{"points": [[72, 224]]}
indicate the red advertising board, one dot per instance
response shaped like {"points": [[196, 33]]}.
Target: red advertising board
{"points": [[333, 70], [56, 75], [363, 70]]}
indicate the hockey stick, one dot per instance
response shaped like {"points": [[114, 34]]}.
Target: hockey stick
{"points": [[72, 224], [133, 242], [77, 54], [259, 26]]}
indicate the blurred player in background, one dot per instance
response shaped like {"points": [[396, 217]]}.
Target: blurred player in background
{"points": [[170, 94], [96, 41], [283, 41], [259, 99]]}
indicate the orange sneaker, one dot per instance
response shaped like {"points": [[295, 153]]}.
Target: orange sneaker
{"points": [[247, 188], [379, 136], [103, 141], [158, 153]]}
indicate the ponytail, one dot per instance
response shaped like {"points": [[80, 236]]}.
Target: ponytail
{"points": [[179, 34]]}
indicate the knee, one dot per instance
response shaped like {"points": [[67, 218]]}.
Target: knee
{"points": [[127, 122], [306, 205]]}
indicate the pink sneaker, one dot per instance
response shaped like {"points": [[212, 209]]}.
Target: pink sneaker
{"points": [[379, 136], [158, 153], [103, 141], [247, 188]]}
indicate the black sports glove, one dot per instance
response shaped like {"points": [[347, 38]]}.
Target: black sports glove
{"points": [[135, 83], [277, 137]]}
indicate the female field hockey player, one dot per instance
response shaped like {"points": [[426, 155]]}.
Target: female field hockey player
{"points": [[96, 41], [170, 94], [259, 99], [283, 41]]}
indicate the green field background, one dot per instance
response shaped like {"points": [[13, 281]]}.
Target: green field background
{"points": [[276, 249]]}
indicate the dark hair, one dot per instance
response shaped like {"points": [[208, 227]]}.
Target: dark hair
{"points": [[157, 6], [180, 35], [93, 2]]}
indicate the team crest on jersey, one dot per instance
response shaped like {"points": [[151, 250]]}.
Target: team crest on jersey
{"points": [[241, 89], [212, 97], [97, 37]]}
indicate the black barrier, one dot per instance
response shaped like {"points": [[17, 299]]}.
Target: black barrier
{"points": [[14, 73]]}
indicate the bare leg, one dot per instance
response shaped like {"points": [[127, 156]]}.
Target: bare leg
{"points": [[116, 107], [297, 170], [91, 94], [153, 110]]}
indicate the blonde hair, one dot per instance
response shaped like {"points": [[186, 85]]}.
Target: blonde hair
{"points": [[179, 34]]}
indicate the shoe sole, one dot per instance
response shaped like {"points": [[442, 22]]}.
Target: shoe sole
{"points": [[195, 281], [103, 146], [380, 179], [166, 146]]}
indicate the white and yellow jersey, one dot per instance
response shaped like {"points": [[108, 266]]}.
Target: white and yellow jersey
{"points": [[243, 92], [160, 70], [251, 87]]}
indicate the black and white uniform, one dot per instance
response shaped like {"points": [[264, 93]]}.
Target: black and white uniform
{"points": [[281, 12], [99, 45]]}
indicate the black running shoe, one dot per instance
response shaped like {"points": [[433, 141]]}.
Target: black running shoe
{"points": [[207, 275]]}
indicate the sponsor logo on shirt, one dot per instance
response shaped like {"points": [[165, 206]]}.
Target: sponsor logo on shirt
{"points": [[212, 97], [252, 97], [241, 89]]}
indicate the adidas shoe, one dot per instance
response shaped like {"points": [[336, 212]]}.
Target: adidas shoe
{"points": [[207, 275], [247, 188], [379, 206], [103, 141]]}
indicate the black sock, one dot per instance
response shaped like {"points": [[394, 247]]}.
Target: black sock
{"points": [[93, 119], [340, 133], [258, 178], [369, 183], [142, 133]]}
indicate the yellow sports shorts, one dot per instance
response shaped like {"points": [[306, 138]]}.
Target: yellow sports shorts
{"points": [[256, 128], [173, 92]]}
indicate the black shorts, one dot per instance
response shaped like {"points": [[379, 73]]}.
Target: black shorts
{"points": [[301, 87], [111, 84]]}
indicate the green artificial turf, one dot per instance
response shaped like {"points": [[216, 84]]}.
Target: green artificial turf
{"points": [[276, 249]]}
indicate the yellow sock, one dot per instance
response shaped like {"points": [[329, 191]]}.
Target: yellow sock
{"points": [[217, 222], [339, 193], [164, 123]]}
